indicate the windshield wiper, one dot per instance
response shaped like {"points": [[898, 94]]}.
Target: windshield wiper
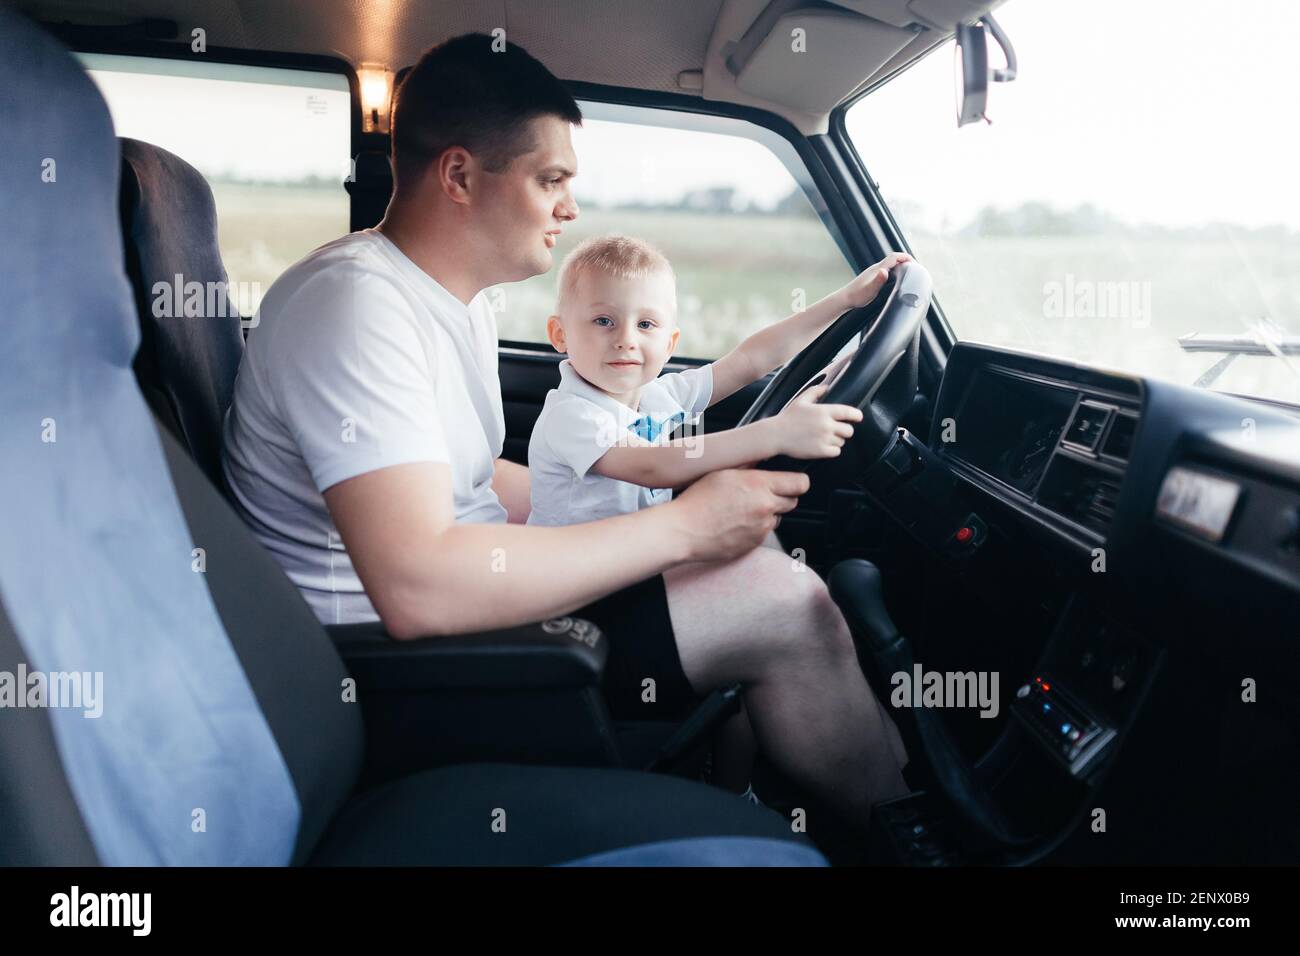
{"points": [[1264, 336], [1237, 344], [1267, 339]]}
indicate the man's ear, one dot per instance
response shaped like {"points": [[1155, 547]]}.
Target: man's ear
{"points": [[555, 332], [454, 170]]}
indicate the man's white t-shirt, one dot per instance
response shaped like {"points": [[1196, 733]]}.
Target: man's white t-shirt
{"points": [[579, 423], [360, 361]]}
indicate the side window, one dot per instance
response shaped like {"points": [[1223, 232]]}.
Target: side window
{"points": [[731, 205], [274, 145]]}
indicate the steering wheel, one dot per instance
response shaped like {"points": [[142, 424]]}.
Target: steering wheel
{"points": [[879, 378]]}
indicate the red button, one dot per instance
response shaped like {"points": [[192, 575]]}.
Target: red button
{"points": [[964, 534]]}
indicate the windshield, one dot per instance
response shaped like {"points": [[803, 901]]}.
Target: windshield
{"points": [[1133, 203]]}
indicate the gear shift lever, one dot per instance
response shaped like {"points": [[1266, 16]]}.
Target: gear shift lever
{"points": [[856, 587]]}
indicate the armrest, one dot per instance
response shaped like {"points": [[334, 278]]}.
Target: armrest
{"points": [[565, 652], [529, 694]]}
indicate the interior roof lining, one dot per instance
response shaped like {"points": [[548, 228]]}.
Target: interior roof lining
{"points": [[626, 43]]}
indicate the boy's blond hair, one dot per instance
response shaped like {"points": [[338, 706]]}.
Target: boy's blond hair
{"points": [[625, 257]]}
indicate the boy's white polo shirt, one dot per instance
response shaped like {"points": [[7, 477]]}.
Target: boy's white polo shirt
{"points": [[579, 423]]}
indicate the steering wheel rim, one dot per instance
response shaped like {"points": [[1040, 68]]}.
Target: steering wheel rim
{"points": [[881, 377]]}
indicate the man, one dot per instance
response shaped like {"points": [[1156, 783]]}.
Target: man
{"points": [[364, 443]]}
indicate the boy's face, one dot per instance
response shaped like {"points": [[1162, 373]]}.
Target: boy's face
{"points": [[523, 207], [618, 333]]}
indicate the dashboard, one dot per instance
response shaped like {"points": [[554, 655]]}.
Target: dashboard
{"points": [[1056, 444], [1095, 458], [1125, 550]]}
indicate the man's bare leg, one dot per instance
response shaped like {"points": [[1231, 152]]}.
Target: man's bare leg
{"points": [[743, 737], [735, 749], [769, 622]]}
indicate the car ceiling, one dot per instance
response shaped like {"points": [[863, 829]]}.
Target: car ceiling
{"points": [[679, 46]]}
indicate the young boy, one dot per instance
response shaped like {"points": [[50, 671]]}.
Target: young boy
{"points": [[602, 445]]}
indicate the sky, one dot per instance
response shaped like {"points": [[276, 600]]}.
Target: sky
{"points": [[1172, 112], [668, 162], [236, 128]]}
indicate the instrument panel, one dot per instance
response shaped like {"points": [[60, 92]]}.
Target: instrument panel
{"points": [[1055, 443], [1096, 457]]}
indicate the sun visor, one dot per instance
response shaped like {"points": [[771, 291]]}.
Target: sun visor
{"points": [[801, 58], [811, 58]]}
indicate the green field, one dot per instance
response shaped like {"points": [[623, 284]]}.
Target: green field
{"points": [[737, 273], [265, 229]]}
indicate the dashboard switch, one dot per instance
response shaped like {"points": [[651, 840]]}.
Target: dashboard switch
{"points": [[1063, 726], [970, 534]]}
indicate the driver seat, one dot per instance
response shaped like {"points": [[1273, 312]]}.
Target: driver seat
{"points": [[110, 507], [187, 363]]}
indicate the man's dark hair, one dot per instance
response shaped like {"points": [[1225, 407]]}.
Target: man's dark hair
{"points": [[463, 93]]}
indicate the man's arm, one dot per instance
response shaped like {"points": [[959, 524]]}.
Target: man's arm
{"points": [[510, 482], [778, 343], [427, 575]]}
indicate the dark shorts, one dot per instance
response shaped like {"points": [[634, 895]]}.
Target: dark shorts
{"points": [[641, 645]]}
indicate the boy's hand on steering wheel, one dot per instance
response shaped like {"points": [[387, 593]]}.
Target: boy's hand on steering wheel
{"points": [[865, 287], [805, 429]]}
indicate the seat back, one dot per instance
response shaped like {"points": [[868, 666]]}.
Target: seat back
{"points": [[191, 334], [224, 735]]}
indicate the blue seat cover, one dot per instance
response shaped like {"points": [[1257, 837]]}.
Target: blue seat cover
{"points": [[97, 570]]}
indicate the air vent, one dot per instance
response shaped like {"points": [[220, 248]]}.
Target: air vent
{"points": [[1101, 507], [1119, 443], [1082, 492], [1087, 425]]}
